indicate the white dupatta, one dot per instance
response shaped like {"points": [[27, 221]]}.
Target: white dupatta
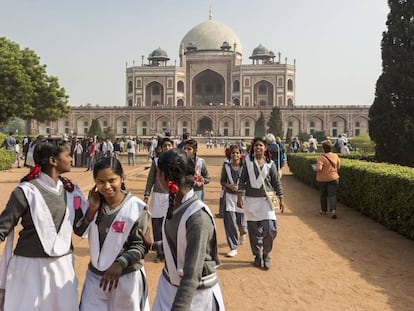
{"points": [[120, 229]]}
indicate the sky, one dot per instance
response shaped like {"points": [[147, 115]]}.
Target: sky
{"points": [[87, 43]]}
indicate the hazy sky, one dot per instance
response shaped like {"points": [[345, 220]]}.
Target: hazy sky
{"points": [[85, 43]]}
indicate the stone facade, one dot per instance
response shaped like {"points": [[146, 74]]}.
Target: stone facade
{"points": [[210, 91]]}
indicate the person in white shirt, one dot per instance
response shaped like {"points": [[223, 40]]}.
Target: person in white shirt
{"points": [[314, 141], [78, 153], [17, 150], [345, 149], [131, 151]]}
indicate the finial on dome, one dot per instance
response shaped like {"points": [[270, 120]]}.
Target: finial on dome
{"points": [[210, 14]]}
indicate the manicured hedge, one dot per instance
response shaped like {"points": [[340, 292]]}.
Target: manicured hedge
{"points": [[7, 159], [384, 192]]}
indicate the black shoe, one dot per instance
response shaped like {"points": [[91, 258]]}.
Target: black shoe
{"points": [[334, 216], [257, 261], [87, 170], [266, 263]]}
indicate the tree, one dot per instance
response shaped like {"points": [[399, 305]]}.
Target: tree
{"points": [[275, 123], [95, 129], [15, 125], [26, 91], [319, 135], [259, 127], [391, 117], [289, 135]]}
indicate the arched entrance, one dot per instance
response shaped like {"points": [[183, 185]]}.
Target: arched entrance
{"points": [[208, 89], [204, 124]]}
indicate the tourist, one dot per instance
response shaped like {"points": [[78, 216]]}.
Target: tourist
{"points": [[131, 151], [327, 168]]}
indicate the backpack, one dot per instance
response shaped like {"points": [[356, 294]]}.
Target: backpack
{"points": [[129, 144], [276, 154]]}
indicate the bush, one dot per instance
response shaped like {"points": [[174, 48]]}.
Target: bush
{"points": [[382, 191], [363, 143], [7, 159]]}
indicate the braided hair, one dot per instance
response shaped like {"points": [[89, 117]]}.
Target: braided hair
{"points": [[179, 170], [43, 150], [266, 152]]}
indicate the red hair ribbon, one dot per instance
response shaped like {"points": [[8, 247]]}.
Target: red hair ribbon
{"points": [[34, 172], [173, 187], [67, 184]]}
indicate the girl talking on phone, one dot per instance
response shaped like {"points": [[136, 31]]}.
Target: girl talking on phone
{"points": [[116, 278]]}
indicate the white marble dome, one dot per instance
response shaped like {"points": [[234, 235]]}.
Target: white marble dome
{"points": [[209, 36]]}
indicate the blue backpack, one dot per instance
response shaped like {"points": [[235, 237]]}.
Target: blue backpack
{"points": [[277, 154]]}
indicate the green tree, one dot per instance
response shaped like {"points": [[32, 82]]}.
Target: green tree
{"points": [[95, 128], [26, 91], [259, 127], [275, 122], [391, 117], [109, 133], [15, 125], [319, 135], [289, 135], [303, 136]]}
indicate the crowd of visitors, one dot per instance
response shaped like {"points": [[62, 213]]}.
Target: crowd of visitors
{"points": [[51, 207]]}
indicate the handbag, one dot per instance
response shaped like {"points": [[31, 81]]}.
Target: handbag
{"points": [[271, 196], [273, 200]]}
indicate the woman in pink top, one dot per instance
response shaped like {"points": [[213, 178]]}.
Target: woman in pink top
{"points": [[327, 168]]}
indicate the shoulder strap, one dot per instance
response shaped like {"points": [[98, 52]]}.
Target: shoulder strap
{"points": [[333, 165]]}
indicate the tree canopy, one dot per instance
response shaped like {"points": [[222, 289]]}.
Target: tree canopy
{"points": [[259, 127], [95, 129], [391, 124], [275, 123], [26, 91]]}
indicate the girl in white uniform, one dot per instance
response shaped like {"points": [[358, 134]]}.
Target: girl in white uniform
{"points": [[40, 275], [201, 176], [259, 175], [234, 223], [159, 202], [189, 280], [115, 280]]}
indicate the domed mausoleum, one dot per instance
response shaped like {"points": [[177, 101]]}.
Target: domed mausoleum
{"points": [[210, 90]]}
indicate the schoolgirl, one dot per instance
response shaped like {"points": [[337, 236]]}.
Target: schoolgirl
{"points": [[201, 176], [115, 280], [188, 280], [259, 175], [159, 202], [234, 224], [40, 274]]}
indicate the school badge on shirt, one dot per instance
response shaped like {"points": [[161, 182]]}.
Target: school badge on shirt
{"points": [[119, 226]]}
